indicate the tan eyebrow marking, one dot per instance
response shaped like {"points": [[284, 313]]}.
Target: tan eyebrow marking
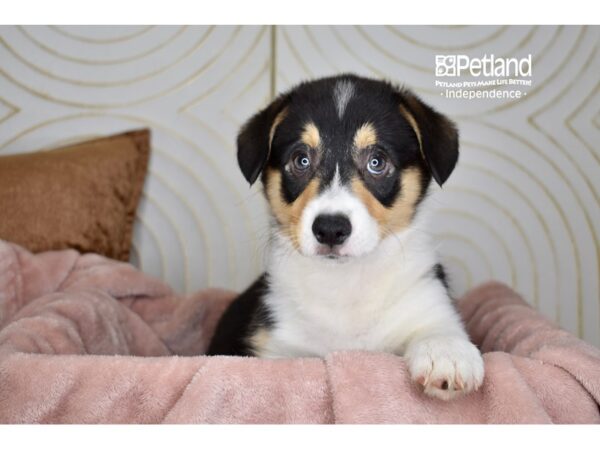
{"points": [[413, 123], [365, 136], [310, 135]]}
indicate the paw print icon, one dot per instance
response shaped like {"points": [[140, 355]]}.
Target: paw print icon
{"points": [[445, 65]]}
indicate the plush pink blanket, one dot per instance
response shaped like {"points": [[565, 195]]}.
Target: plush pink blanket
{"points": [[84, 339]]}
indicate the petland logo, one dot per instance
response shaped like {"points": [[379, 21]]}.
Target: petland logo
{"points": [[492, 77], [488, 66]]}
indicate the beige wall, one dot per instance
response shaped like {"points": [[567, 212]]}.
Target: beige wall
{"points": [[523, 206]]}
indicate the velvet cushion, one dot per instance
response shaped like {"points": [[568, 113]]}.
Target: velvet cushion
{"points": [[83, 196]]}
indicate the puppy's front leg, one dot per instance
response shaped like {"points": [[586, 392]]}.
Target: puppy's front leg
{"points": [[442, 359]]}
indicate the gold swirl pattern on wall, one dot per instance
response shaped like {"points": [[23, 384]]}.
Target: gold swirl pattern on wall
{"points": [[552, 236], [523, 205], [111, 35]]}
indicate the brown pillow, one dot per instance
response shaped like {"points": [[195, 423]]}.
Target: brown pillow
{"points": [[82, 196]]}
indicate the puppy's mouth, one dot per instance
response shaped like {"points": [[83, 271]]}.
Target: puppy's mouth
{"points": [[331, 252]]}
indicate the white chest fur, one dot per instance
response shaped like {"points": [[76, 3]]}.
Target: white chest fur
{"points": [[376, 302]]}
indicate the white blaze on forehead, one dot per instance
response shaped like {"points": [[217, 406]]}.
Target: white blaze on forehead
{"points": [[339, 199], [342, 93], [336, 183]]}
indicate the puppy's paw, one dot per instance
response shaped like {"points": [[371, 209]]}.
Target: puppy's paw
{"points": [[445, 366]]}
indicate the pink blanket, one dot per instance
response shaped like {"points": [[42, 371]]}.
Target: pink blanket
{"points": [[84, 340]]}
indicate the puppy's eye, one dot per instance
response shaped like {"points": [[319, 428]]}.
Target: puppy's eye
{"points": [[301, 161], [377, 164]]}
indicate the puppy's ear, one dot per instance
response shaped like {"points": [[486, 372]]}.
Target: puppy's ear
{"points": [[437, 135], [255, 138]]}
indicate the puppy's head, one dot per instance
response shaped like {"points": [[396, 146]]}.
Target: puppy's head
{"points": [[345, 161]]}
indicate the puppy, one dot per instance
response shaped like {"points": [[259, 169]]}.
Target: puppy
{"points": [[346, 164]]}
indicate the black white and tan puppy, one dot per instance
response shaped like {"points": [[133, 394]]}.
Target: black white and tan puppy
{"points": [[346, 165]]}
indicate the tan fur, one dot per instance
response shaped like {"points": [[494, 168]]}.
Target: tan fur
{"points": [[365, 136], [288, 214], [259, 340], [413, 123], [310, 135], [400, 214], [278, 119]]}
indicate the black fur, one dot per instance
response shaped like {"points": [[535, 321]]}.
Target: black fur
{"points": [[440, 273], [243, 317], [373, 101], [439, 137], [253, 140]]}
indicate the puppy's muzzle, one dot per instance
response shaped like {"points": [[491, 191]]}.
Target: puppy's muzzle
{"points": [[331, 229]]}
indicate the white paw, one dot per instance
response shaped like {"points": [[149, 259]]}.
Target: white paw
{"points": [[445, 366]]}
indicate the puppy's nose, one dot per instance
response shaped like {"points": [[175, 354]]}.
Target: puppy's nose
{"points": [[331, 229]]}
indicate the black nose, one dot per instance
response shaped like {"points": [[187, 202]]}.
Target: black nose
{"points": [[331, 229]]}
